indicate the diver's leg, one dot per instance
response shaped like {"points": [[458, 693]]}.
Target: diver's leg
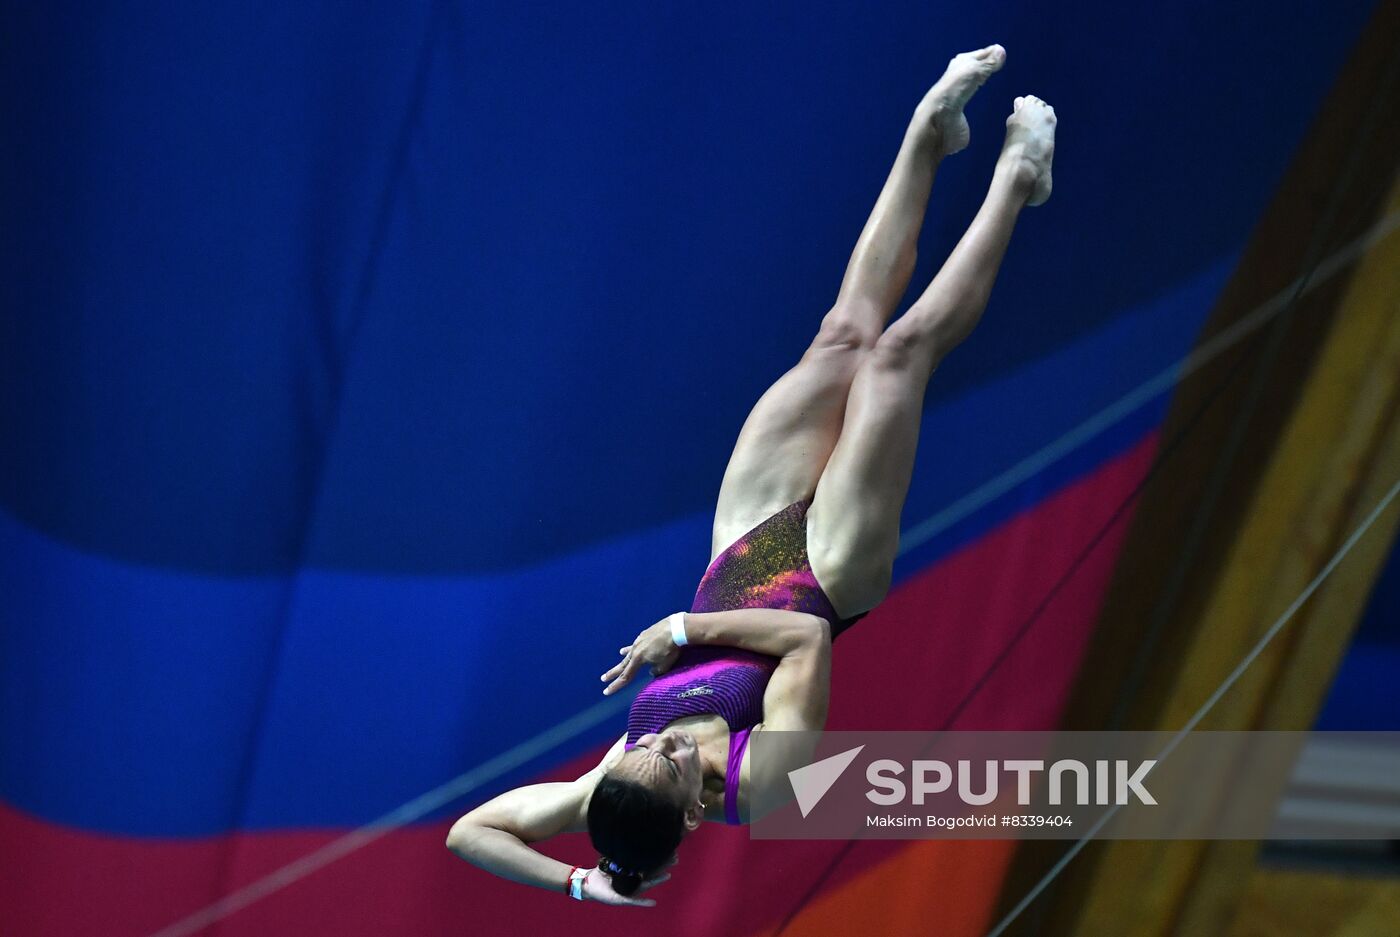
{"points": [[853, 523], [784, 444], [884, 256]]}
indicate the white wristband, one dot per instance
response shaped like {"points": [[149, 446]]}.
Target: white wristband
{"points": [[678, 628], [576, 882]]}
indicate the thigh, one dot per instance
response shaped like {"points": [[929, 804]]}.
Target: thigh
{"points": [[786, 440], [853, 522]]}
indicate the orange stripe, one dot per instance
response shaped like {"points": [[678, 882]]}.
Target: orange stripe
{"points": [[933, 887]]}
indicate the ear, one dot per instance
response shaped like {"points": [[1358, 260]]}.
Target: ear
{"points": [[694, 816]]}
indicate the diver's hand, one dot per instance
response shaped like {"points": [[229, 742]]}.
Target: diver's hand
{"points": [[598, 887], [653, 646]]}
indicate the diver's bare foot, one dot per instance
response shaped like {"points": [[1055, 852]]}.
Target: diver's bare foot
{"points": [[940, 113], [1030, 147]]}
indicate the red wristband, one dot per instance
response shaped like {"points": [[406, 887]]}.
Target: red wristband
{"points": [[569, 880]]}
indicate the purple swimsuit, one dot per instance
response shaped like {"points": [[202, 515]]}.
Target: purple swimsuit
{"points": [[765, 568]]}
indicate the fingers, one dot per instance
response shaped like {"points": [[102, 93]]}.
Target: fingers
{"points": [[660, 875], [617, 668], [625, 670]]}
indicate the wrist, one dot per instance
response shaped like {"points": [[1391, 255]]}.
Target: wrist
{"points": [[678, 635], [574, 884]]}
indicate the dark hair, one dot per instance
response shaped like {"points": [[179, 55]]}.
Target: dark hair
{"points": [[635, 830]]}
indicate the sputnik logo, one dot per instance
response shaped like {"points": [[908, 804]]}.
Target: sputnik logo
{"points": [[811, 782]]}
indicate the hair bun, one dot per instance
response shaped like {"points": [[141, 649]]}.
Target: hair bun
{"points": [[624, 881], [613, 868]]}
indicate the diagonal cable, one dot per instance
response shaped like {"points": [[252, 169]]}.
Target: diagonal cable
{"points": [[1205, 707]]}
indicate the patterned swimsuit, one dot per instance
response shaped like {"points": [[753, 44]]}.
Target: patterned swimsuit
{"points": [[765, 568]]}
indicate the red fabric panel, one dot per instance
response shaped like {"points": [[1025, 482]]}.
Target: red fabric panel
{"points": [[906, 666]]}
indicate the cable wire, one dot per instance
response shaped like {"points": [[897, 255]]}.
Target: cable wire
{"points": [[1205, 707]]}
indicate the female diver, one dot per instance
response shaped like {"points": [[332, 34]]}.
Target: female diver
{"points": [[805, 533]]}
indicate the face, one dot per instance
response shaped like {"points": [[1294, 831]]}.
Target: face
{"points": [[667, 762]]}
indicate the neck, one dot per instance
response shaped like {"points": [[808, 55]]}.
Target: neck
{"points": [[712, 738], [714, 760]]}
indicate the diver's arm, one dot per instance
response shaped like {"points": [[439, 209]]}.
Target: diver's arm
{"points": [[799, 691], [777, 632], [496, 835], [795, 705]]}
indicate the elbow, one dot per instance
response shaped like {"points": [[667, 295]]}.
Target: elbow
{"points": [[821, 629]]}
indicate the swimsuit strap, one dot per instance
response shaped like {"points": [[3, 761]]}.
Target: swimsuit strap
{"points": [[738, 741]]}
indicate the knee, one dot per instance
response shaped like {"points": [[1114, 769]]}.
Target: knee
{"points": [[922, 338], [902, 347], [847, 326]]}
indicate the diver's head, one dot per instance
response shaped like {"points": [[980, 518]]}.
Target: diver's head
{"points": [[645, 805]]}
